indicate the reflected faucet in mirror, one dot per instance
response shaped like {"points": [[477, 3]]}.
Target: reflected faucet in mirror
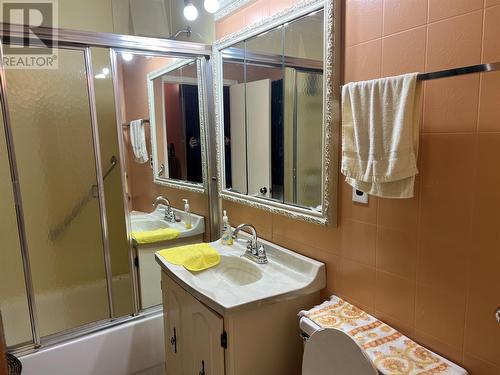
{"points": [[162, 169], [169, 214], [254, 252]]}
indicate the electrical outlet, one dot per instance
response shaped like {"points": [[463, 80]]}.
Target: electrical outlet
{"points": [[359, 197]]}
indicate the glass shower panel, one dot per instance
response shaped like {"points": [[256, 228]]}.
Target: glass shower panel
{"points": [[13, 302], [113, 189], [51, 124]]}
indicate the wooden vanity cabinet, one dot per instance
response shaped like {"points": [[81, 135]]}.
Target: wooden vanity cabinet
{"points": [[192, 333], [263, 340]]}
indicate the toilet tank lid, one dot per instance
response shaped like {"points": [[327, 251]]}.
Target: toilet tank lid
{"points": [[308, 326]]}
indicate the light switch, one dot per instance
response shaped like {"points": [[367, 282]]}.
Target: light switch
{"points": [[359, 197]]}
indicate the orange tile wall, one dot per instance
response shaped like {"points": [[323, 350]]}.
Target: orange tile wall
{"points": [[430, 265]]}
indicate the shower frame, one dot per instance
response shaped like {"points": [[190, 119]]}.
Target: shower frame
{"points": [[83, 41]]}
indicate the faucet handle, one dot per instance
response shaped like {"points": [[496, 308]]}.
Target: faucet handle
{"points": [[261, 250], [261, 255], [250, 246]]}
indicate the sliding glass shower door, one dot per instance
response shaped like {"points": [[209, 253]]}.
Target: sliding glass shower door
{"points": [[13, 300], [53, 137]]}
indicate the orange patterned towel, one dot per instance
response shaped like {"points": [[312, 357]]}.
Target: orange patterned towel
{"points": [[390, 351]]}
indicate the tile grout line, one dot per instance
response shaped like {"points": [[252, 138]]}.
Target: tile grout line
{"points": [[381, 46], [413, 28], [468, 259], [481, 75], [418, 230], [475, 174], [424, 88]]}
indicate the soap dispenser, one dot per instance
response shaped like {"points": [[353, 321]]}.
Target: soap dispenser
{"points": [[227, 236], [187, 215]]}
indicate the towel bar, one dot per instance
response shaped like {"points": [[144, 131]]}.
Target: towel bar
{"points": [[144, 121], [480, 68]]}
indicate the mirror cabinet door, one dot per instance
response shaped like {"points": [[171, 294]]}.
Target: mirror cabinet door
{"points": [[272, 131], [303, 103]]}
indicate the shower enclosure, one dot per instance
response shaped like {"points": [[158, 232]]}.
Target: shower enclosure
{"points": [[66, 264]]}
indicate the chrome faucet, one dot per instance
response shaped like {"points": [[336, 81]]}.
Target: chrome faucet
{"points": [[254, 252], [169, 214]]}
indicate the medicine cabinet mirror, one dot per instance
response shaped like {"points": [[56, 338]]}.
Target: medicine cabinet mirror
{"points": [[276, 113], [177, 118]]}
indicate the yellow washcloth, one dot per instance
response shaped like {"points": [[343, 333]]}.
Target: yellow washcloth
{"points": [[157, 235], [197, 257]]}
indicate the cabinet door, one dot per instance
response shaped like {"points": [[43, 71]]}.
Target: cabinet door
{"points": [[206, 355], [192, 333], [174, 301]]}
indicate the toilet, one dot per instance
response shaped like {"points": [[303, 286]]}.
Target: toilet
{"points": [[331, 351], [342, 339]]}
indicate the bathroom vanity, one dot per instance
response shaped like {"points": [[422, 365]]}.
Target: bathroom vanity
{"points": [[238, 317], [149, 286]]}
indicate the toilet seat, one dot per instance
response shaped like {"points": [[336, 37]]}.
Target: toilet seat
{"points": [[333, 352]]}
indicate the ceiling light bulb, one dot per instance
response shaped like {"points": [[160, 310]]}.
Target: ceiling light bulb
{"points": [[105, 71], [211, 6], [190, 11], [127, 56]]}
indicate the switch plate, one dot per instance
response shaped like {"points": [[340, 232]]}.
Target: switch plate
{"points": [[359, 197]]}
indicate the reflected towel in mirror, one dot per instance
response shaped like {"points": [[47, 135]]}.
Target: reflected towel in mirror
{"points": [[138, 141], [157, 235]]}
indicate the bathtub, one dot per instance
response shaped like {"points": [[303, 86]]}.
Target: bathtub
{"points": [[135, 347]]}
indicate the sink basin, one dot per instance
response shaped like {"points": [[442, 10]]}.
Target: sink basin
{"points": [[237, 271], [142, 221], [238, 283], [145, 224]]}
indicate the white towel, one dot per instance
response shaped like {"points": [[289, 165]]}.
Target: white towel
{"points": [[380, 132], [138, 141]]}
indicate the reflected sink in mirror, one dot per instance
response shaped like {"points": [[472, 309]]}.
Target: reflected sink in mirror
{"points": [[149, 274], [147, 224], [142, 221]]}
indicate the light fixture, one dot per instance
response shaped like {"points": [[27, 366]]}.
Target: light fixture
{"points": [[211, 6], [190, 11], [127, 56], [104, 73]]}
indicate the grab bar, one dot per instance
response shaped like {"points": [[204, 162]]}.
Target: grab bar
{"points": [[55, 232], [113, 163]]}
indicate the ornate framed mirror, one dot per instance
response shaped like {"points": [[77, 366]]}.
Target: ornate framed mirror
{"points": [[276, 104], [178, 124]]}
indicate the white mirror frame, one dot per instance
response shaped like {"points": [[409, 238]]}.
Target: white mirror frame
{"points": [[331, 108], [170, 182]]}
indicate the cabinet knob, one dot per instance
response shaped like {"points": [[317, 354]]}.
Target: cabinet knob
{"points": [[263, 190]]}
